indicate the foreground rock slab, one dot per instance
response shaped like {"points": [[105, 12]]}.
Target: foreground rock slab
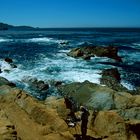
{"points": [[24, 118]]}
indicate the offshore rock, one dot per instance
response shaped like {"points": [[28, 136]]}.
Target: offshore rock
{"points": [[8, 60], [110, 52]]}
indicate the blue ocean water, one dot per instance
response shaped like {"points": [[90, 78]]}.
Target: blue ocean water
{"points": [[42, 54]]}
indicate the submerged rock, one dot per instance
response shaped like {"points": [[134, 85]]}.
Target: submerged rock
{"points": [[86, 52]]}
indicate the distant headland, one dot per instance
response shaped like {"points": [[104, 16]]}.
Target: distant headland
{"points": [[4, 26]]}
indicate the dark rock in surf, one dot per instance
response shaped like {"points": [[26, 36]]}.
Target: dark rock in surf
{"points": [[110, 52], [112, 73], [57, 83], [4, 81], [37, 84], [64, 43], [86, 57], [111, 78], [8, 60], [76, 53], [13, 66], [41, 85]]}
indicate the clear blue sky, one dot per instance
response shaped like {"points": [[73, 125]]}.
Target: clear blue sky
{"points": [[71, 13]]}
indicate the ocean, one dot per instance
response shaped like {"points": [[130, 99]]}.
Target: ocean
{"points": [[42, 54]]}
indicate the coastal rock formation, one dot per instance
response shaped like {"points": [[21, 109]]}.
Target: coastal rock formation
{"points": [[100, 97], [87, 52], [4, 81], [109, 125], [7, 129], [20, 113], [36, 84], [26, 113], [111, 78], [7, 65], [112, 73], [39, 87], [8, 60], [89, 94]]}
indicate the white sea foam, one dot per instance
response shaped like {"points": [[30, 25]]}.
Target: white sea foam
{"points": [[136, 44], [5, 40], [80, 76], [127, 85], [5, 66], [43, 39], [60, 67]]}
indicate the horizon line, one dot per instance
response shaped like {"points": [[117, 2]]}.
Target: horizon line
{"points": [[73, 26]]}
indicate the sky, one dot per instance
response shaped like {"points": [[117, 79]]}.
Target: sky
{"points": [[71, 13]]}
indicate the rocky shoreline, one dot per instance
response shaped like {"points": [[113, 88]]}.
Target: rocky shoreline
{"points": [[22, 117], [114, 110]]}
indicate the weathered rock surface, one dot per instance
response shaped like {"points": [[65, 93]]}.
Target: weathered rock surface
{"points": [[110, 125], [111, 78], [4, 81], [101, 97], [28, 114], [87, 52], [24, 118]]}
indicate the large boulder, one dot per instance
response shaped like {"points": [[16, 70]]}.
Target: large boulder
{"points": [[111, 78], [89, 94], [99, 97], [112, 73], [86, 52]]}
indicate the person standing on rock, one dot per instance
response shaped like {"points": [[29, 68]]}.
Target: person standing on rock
{"points": [[84, 118]]}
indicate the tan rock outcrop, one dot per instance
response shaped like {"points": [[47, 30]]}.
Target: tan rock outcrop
{"points": [[110, 125]]}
